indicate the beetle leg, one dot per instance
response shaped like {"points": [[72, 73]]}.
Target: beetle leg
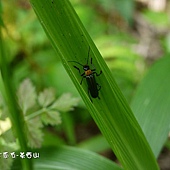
{"points": [[97, 73], [99, 87], [82, 78], [77, 69], [83, 74]]}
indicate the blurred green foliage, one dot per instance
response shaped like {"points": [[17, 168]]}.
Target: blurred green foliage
{"points": [[31, 55]]}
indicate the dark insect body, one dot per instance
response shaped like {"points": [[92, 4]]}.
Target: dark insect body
{"points": [[89, 75]]}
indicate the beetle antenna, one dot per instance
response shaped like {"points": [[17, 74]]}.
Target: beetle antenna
{"points": [[88, 55], [76, 62]]}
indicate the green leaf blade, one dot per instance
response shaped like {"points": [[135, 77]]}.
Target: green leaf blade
{"points": [[111, 113], [151, 104], [72, 158]]}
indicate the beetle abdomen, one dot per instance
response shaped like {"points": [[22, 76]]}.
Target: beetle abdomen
{"points": [[92, 86]]}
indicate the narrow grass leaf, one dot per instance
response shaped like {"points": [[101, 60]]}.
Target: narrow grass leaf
{"points": [[151, 104], [111, 113], [8, 92], [72, 159]]}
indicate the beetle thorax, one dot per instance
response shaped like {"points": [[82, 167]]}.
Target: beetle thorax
{"points": [[88, 72]]}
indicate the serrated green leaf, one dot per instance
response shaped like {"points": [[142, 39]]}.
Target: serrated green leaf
{"points": [[65, 103], [26, 95], [46, 97], [51, 117], [34, 132], [5, 163]]}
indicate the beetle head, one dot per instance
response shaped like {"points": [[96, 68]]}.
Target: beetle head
{"points": [[86, 67]]}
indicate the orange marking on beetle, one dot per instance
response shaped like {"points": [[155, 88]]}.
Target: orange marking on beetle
{"points": [[88, 72]]}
